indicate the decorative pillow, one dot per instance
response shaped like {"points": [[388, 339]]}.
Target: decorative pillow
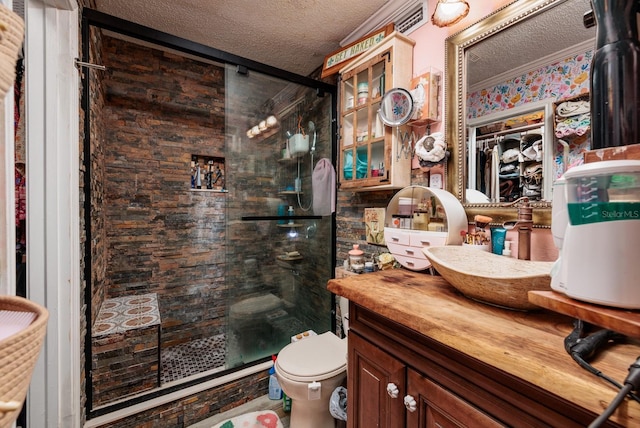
{"points": [[261, 419]]}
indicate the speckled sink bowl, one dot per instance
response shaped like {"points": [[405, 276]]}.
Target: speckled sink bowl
{"points": [[490, 278]]}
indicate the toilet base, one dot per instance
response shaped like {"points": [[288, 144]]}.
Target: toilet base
{"points": [[312, 414]]}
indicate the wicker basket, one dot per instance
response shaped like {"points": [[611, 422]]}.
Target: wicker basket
{"points": [[18, 355], [11, 38]]}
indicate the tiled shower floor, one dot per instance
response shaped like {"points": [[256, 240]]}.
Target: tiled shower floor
{"points": [[207, 354], [192, 358]]}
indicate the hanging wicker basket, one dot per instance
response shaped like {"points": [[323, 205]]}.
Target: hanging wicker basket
{"points": [[18, 355], [11, 38]]}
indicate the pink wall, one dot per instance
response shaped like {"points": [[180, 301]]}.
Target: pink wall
{"points": [[429, 52], [429, 49]]}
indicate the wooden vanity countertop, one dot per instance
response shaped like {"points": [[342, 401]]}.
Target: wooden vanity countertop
{"points": [[528, 345]]}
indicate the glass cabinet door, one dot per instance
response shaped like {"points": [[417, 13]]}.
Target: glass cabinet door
{"points": [[363, 157]]}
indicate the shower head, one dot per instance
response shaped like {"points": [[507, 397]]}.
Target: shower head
{"points": [[312, 128]]}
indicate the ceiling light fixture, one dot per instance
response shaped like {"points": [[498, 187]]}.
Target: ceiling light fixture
{"points": [[448, 12]]}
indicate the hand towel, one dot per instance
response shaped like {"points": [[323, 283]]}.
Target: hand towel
{"points": [[323, 183]]}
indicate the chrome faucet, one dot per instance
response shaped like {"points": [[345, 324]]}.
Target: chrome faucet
{"points": [[524, 224]]}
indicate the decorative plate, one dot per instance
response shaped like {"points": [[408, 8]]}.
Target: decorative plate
{"points": [[396, 107]]}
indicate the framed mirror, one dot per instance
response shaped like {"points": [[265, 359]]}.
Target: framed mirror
{"points": [[501, 49]]}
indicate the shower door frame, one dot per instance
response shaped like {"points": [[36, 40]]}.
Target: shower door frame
{"points": [[94, 18]]}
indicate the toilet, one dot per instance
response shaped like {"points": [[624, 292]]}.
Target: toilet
{"points": [[249, 320], [250, 310], [309, 371]]}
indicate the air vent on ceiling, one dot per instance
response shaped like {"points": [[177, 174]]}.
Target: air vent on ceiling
{"points": [[411, 20], [407, 15]]}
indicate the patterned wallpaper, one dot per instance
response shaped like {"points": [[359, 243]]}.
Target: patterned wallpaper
{"points": [[558, 81]]}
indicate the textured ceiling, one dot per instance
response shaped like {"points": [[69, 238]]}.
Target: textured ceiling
{"points": [[542, 35], [293, 35]]}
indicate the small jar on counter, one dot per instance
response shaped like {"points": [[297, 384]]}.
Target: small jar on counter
{"points": [[368, 266], [356, 258]]}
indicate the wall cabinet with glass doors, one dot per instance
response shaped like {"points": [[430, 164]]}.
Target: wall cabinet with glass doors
{"points": [[371, 155]]}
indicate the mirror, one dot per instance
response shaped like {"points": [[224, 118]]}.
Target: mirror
{"points": [[520, 37]]}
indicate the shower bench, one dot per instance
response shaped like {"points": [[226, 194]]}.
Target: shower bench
{"points": [[125, 341]]}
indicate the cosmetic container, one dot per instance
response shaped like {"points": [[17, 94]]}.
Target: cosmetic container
{"points": [[497, 239]]}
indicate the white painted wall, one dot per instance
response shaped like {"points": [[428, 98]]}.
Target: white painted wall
{"points": [[53, 243]]}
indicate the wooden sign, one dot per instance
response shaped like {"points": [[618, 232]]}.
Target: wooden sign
{"points": [[338, 59]]}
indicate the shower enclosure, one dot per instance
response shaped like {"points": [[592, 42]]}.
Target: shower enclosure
{"points": [[204, 255]]}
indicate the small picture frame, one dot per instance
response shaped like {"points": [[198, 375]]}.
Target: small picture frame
{"points": [[374, 219]]}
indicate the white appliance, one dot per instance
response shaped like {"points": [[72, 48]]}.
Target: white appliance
{"points": [[596, 225]]}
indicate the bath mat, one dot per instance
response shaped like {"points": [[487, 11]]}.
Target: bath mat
{"points": [[260, 419]]}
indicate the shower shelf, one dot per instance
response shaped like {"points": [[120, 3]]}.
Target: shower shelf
{"points": [[290, 192], [279, 217], [289, 259], [286, 225], [209, 190]]}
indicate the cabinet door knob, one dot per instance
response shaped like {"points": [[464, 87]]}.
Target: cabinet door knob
{"points": [[392, 390], [410, 403]]}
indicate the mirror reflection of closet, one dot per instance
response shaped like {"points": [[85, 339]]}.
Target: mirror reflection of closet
{"points": [[509, 154]]}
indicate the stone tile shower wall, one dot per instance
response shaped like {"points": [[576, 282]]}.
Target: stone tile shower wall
{"points": [[194, 407], [96, 177], [163, 238]]}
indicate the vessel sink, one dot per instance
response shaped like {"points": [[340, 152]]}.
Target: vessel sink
{"points": [[490, 278]]}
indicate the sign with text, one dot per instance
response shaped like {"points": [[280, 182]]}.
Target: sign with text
{"points": [[340, 58]]}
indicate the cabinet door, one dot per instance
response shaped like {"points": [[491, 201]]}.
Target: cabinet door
{"points": [[376, 386], [364, 139], [431, 406]]}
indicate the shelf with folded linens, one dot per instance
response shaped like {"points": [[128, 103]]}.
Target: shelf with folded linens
{"points": [[572, 132]]}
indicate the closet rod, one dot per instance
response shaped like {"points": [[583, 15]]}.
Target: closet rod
{"points": [[510, 131]]}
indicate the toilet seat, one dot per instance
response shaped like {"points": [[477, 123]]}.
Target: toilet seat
{"points": [[252, 305], [313, 359]]}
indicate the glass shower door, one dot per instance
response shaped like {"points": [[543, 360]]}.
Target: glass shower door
{"points": [[279, 254]]}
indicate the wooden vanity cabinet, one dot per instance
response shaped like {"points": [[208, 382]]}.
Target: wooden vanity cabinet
{"points": [[400, 378], [388, 393]]}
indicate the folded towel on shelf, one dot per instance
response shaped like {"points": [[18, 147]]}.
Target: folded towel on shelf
{"points": [[572, 108], [323, 182]]}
